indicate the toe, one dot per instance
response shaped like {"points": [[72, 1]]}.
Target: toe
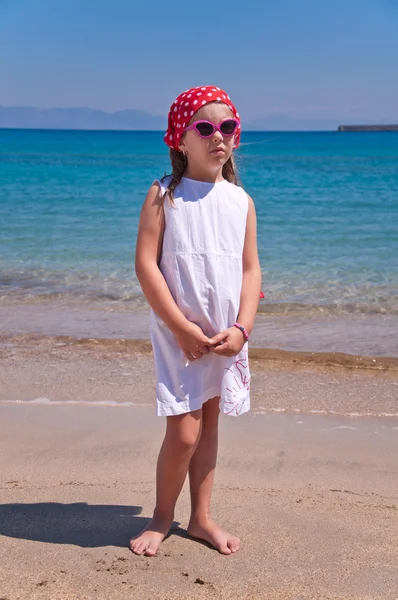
{"points": [[136, 549], [224, 549], [151, 550], [137, 546], [234, 544]]}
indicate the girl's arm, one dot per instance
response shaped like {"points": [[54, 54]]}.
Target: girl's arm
{"points": [[251, 285], [231, 340], [147, 257]]}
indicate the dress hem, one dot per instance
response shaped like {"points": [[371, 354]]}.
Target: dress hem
{"points": [[186, 407]]}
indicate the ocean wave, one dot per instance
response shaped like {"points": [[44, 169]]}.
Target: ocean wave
{"points": [[119, 289], [259, 410]]}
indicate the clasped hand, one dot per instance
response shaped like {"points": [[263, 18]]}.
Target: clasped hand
{"points": [[195, 344]]}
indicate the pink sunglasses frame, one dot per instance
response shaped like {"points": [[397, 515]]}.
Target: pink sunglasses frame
{"points": [[215, 127]]}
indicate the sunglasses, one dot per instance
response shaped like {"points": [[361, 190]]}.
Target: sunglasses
{"points": [[206, 129]]}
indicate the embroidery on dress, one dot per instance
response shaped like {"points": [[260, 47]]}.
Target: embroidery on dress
{"points": [[236, 386]]}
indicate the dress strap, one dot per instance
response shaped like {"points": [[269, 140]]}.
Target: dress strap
{"points": [[163, 183]]}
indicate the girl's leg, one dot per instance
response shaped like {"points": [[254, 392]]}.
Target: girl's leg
{"points": [[201, 479], [182, 436]]}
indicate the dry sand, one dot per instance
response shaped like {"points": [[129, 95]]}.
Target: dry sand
{"points": [[314, 497]]}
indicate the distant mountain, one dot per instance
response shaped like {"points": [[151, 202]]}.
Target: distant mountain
{"points": [[21, 117]]}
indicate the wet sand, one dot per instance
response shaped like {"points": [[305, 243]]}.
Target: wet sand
{"points": [[315, 331], [122, 371]]}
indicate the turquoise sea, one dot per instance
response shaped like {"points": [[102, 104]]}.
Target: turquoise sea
{"points": [[327, 208]]}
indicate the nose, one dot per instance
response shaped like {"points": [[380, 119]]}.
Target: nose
{"points": [[217, 136]]}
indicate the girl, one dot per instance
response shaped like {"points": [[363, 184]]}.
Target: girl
{"points": [[197, 263]]}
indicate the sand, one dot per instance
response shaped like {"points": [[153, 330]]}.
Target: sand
{"points": [[306, 479]]}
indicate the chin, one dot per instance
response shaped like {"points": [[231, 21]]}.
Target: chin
{"points": [[220, 159]]}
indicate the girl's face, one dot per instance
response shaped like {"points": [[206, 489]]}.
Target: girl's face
{"points": [[213, 152]]}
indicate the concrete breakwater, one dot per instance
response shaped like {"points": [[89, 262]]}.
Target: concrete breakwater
{"points": [[367, 128]]}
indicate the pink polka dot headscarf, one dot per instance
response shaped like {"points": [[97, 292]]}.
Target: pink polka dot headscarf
{"points": [[185, 106]]}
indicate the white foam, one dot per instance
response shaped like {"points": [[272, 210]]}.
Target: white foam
{"points": [[263, 410], [340, 427], [48, 401], [260, 410]]}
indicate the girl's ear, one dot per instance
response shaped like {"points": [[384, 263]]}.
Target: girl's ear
{"points": [[182, 145]]}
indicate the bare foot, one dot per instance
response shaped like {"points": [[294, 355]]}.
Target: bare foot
{"points": [[214, 535], [148, 541]]}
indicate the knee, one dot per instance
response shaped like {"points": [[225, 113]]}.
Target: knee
{"points": [[184, 438], [187, 441]]}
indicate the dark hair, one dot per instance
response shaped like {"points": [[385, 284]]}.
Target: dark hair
{"points": [[179, 163]]}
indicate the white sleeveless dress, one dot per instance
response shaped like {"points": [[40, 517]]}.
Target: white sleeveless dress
{"points": [[201, 262]]}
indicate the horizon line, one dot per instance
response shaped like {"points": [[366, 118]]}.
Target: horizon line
{"points": [[162, 131]]}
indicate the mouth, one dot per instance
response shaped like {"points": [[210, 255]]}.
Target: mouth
{"points": [[218, 151]]}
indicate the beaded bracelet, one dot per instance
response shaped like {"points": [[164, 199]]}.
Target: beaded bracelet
{"points": [[243, 330]]}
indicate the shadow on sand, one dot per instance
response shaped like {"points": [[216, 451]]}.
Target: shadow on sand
{"points": [[80, 524]]}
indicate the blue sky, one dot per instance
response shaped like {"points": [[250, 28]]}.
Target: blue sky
{"points": [[303, 58]]}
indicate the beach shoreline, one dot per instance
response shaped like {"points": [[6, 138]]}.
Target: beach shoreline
{"points": [[373, 335], [339, 360], [38, 368]]}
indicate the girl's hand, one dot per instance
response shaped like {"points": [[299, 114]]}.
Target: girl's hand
{"points": [[227, 343], [192, 341]]}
